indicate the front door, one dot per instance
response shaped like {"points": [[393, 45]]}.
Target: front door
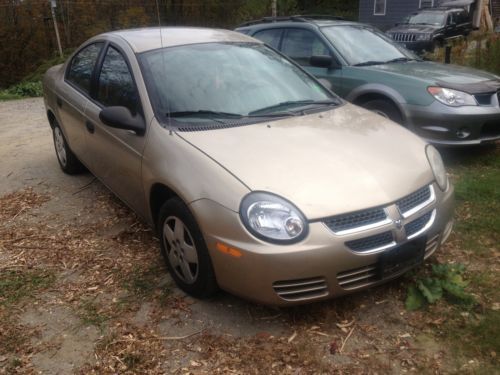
{"points": [[300, 45]]}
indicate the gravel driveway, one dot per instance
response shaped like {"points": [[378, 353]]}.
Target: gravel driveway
{"points": [[94, 295]]}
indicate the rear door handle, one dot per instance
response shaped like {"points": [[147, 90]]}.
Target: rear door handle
{"points": [[59, 102], [90, 127]]}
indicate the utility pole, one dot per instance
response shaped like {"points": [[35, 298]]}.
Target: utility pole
{"points": [[274, 8], [53, 6]]}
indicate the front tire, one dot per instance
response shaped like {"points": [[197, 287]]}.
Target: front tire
{"points": [[184, 250], [68, 162], [384, 108]]}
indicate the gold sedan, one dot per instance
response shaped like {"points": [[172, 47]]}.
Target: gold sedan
{"points": [[258, 179]]}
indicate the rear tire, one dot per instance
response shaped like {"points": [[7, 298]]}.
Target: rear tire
{"points": [[184, 250], [68, 162], [384, 108]]}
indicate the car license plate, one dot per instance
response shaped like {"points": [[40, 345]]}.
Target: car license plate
{"points": [[402, 257]]}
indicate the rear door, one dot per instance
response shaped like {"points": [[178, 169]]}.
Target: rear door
{"points": [[73, 96], [116, 153]]}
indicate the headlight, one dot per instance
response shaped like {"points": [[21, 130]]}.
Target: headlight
{"points": [[451, 97], [437, 167], [421, 37], [272, 219]]}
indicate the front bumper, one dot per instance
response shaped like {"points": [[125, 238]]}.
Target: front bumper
{"points": [[319, 267], [454, 126]]}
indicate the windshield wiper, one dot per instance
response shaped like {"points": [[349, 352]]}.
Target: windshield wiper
{"points": [[299, 103], [368, 63], [399, 59], [203, 112]]}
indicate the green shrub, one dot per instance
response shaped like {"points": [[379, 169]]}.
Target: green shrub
{"points": [[27, 89]]}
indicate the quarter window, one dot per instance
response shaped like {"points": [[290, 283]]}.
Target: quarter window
{"points": [[271, 37], [300, 45], [116, 86], [82, 66], [379, 7]]}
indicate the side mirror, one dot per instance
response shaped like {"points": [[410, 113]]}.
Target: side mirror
{"points": [[122, 118], [324, 61]]}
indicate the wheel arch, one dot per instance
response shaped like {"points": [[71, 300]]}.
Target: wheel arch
{"points": [[367, 93], [52, 118], [159, 193]]}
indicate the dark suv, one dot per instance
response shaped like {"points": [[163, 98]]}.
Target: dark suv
{"points": [[429, 28], [445, 104]]}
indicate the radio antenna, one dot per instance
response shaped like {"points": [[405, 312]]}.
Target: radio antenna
{"points": [[163, 61]]}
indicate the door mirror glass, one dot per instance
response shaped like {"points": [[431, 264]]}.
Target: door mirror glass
{"points": [[122, 118], [323, 61]]}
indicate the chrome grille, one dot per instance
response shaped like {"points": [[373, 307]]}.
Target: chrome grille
{"points": [[415, 199], [357, 277], [357, 219], [302, 289], [417, 225], [404, 37], [376, 242]]}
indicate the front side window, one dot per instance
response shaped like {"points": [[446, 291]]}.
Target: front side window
{"points": [[271, 37], [116, 86], [300, 45], [379, 8], [372, 46], [82, 65], [238, 79]]}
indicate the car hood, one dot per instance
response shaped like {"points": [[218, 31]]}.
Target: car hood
{"points": [[327, 163], [456, 77], [414, 29]]}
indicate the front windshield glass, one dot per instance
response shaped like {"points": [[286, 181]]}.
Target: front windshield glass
{"points": [[361, 45], [427, 18], [227, 79]]}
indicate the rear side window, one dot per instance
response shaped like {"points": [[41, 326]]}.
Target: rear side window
{"points": [[116, 85], [271, 37], [300, 45], [82, 66]]}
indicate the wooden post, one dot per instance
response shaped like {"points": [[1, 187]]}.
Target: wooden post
{"points": [[52, 9], [274, 10]]}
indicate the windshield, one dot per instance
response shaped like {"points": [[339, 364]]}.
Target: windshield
{"points": [[371, 46], [427, 18], [227, 80]]}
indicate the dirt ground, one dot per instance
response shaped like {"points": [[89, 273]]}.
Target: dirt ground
{"points": [[90, 293]]}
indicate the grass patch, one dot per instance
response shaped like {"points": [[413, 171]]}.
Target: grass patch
{"points": [[477, 191], [146, 283], [16, 284], [90, 314], [476, 336]]}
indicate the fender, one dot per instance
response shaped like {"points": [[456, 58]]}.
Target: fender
{"points": [[381, 90]]}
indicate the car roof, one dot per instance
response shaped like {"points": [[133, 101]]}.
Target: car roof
{"points": [[319, 21], [439, 9], [151, 38]]}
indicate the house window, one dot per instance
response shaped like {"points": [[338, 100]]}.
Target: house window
{"points": [[426, 3], [379, 7]]}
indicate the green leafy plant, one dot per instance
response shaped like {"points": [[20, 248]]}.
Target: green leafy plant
{"points": [[445, 281]]}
